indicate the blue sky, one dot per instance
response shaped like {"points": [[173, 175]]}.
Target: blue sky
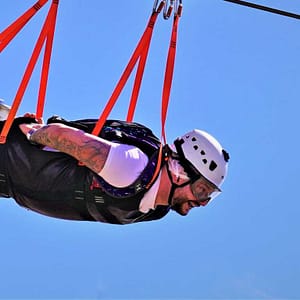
{"points": [[237, 77]]}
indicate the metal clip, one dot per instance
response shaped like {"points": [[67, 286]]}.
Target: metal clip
{"points": [[158, 7], [175, 5], [178, 8], [168, 8]]}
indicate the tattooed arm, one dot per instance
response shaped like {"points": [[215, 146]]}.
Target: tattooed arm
{"points": [[92, 151]]}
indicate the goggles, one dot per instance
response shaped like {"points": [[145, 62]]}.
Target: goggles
{"points": [[204, 191]]}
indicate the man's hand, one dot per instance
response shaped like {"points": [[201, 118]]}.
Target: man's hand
{"points": [[33, 116]]}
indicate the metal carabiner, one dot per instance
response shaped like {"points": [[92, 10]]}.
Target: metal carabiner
{"points": [[175, 5], [158, 7], [168, 8], [178, 8]]}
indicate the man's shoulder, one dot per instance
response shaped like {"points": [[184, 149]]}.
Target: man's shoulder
{"points": [[119, 131]]}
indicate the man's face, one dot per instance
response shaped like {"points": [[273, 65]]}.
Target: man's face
{"points": [[192, 195]]}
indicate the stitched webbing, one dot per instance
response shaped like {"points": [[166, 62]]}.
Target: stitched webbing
{"points": [[46, 34]]}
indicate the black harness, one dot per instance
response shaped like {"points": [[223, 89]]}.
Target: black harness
{"points": [[53, 184], [104, 201]]}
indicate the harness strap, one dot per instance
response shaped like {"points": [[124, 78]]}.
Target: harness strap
{"points": [[168, 84], [46, 34], [169, 75], [47, 59], [138, 80], [12, 30], [141, 53]]}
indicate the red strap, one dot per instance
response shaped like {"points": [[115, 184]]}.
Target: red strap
{"points": [[140, 52], [46, 32], [137, 82], [46, 61], [140, 73], [169, 77], [167, 88], [11, 31]]}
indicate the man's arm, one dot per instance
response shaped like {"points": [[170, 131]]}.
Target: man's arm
{"points": [[92, 151]]}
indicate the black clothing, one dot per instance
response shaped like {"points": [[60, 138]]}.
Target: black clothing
{"points": [[54, 184]]}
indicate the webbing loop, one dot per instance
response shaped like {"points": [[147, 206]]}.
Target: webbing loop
{"points": [[46, 35], [140, 54], [46, 61], [169, 76], [167, 85]]}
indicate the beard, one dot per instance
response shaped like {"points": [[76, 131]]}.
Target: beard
{"points": [[179, 209]]}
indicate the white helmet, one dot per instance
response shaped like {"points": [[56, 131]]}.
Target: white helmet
{"points": [[205, 154]]}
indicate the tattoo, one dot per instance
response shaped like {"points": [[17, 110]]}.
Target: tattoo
{"points": [[88, 149]]}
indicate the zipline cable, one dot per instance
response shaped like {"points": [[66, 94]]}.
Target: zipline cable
{"points": [[266, 8]]}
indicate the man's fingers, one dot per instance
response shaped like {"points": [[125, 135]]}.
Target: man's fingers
{"points": [[29, 115]]}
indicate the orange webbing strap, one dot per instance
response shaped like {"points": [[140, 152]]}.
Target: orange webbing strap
{"points": [[169, 74], [137, 82], [167, 88], [46, 61], [140, 69], [139, 53], [12, 30], [46, 32]]}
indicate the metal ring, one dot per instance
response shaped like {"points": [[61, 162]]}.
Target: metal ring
{"points": [[168, 9], [178, 8], [155, 5]]}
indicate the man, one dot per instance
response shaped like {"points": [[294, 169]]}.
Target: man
{"points": [[65, 172]]}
